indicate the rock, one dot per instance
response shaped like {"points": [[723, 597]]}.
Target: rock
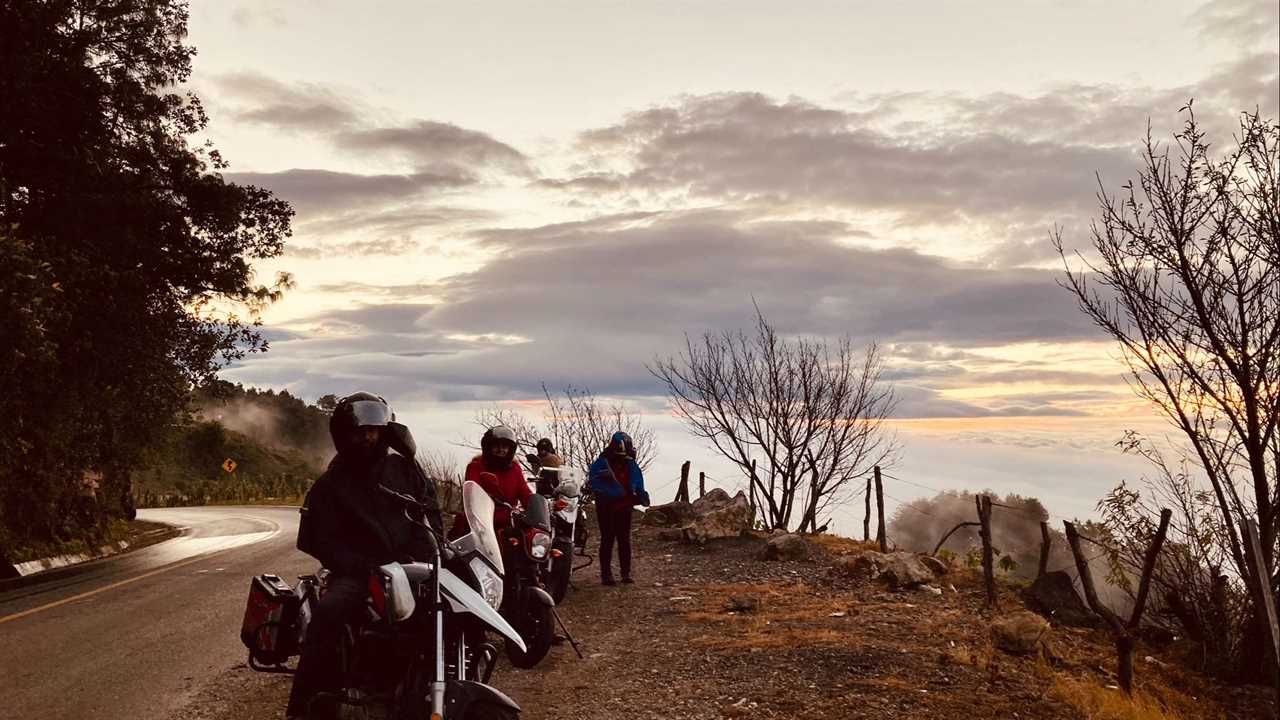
{"points": [[785, 547], [931, 589], [1054, 596], [904, 570], [742, 604], [673, 514], [1022, 633], [713, 500], [727, 520], [938, 567], [866, 564], [671, 534]]}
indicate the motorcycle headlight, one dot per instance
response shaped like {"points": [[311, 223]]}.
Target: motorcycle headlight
{"points": [[490, 583], [539, 545]]}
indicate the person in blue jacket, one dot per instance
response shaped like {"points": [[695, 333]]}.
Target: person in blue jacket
{"points": [[618, 485]]}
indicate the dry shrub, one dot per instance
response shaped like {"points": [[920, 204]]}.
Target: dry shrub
{"points": [[1153, 701]]}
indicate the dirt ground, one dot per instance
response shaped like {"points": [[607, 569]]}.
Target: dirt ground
{"points": [[714, 633]]}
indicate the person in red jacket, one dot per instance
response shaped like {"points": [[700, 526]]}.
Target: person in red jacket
{"points": [[496, 470]]}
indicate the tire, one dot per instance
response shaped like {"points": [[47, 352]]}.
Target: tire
{"points": [[489, 711], [536, 629], [558, 584]]}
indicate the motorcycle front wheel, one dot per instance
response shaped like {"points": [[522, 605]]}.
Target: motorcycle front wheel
{"points": [[536, 629], [558, 582], [489, 711]]}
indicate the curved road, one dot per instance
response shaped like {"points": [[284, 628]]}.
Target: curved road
{"points": [[134, 636]]}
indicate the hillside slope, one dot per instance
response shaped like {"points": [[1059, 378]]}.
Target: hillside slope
{"points": [[715, 633]]}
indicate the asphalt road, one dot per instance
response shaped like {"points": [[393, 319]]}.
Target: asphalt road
{"points": [[136, 635]]}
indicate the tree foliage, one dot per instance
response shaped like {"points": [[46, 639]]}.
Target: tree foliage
{"points": [[132, 278]]}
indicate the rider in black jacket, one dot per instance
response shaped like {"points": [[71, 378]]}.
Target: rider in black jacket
{"points": [[350, 526]]}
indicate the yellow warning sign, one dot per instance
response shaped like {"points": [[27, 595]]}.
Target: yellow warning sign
{"points": [[229, 465]]}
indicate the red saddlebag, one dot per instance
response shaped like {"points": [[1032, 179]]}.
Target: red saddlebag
{"points": [[270, 628]]}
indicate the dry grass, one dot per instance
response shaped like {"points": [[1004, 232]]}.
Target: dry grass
{"points": [[1153, 702], [837, 545], [788, 615]]}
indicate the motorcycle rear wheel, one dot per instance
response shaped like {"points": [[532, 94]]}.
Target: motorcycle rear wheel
{"points": [[536, 629]]}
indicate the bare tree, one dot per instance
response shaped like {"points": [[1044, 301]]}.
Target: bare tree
{"points": [[1187, 266], [578, 423], [446, 473], [813, 411]]}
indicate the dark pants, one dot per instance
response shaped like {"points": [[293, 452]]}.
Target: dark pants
{"points": [[615, 524], [319, 668]]}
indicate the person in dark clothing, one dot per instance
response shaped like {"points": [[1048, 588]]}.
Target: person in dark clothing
{"points": [[618, 484], [350, 526]]}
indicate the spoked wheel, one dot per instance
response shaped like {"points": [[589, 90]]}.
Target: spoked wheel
{"points": [[536, 629]]}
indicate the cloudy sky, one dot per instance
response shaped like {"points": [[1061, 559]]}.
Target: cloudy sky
{"points": [[491, 196]]}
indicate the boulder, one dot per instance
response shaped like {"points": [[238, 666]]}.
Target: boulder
{"points": [[1022, 633], [938, 567], [673, 514], [728, 520], [866, 564], [713, 500], [900, 570], [904, 570], [1054, 596], [787, 546]]}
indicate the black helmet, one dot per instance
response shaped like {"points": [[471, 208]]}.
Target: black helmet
{"points": [[357, 410], [544, 445]]}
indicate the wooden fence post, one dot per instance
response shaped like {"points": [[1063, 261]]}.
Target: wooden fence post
{"points": [[866, 521], [880, 532], [1124, 634], [988, 555], [1046, 542], [1267, 601], [682, 492], [702, 483]]}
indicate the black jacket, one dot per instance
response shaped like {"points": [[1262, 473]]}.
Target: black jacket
{"points": [[349, 525]]}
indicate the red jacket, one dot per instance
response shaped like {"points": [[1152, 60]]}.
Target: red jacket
{"points": [[507, 485]]}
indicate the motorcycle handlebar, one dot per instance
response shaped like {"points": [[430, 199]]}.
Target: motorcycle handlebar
{"points": [[411, 502]]}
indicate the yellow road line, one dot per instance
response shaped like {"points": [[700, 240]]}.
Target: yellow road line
{"points": [[102, 589]]}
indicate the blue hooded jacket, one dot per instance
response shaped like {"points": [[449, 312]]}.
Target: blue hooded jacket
{"points": [[601, 477]]}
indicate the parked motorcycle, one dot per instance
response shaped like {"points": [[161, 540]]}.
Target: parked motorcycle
{"points": [[526, 543], [420, 649], [562, 487]]}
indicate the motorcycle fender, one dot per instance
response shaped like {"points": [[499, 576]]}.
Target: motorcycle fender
{"points": [[541, 596], [463, 599], [460, 694]]}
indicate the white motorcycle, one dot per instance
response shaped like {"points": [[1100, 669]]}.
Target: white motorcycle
{"points": [[420, 649], [562, 487]]}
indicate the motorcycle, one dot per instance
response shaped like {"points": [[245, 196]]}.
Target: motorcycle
{"points": [[525, 604], [562, 487], [419, 650]]}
